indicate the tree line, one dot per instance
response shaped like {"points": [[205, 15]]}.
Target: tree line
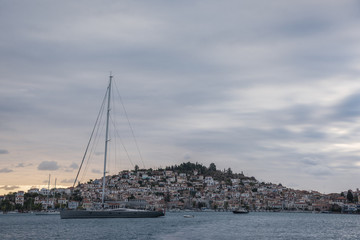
{"points": [[8, 204], [218, 175]]}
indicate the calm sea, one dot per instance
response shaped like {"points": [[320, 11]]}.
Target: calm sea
{"points": [[205, 225]]}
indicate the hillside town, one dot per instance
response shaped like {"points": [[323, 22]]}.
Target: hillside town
{"points": [[187, 186]]}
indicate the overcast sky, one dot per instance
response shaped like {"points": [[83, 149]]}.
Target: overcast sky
{"points": [[270, 88]]}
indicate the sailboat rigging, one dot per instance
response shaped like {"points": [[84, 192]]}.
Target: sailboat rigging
{"points": [[47, 211], [103, 212]]}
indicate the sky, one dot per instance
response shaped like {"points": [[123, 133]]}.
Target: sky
{"points": [[270, 88]]}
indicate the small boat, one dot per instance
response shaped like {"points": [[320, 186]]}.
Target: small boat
{"points": [[188, 216], [11, 212], [327, 212], [240, 211]]}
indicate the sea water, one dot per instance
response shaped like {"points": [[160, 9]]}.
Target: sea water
{"points": [[204, 225]]}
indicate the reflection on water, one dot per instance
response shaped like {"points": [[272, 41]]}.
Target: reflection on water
{"points": [[204, 225]]}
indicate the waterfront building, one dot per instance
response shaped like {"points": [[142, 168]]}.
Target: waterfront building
{"points": [[19, 198], [73, 204], [62, 201], [44, 191], [33, 190]]}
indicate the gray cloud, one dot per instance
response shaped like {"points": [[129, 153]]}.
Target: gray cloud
{"points": [[9, 188], [95, 171], [267, 93], [74, 166], [3, 151], [71, 167], [67, 181], [309, 161], [187, 157], [48, 166], [21, 165], [5, 170], [319, 171], [348, 108]]}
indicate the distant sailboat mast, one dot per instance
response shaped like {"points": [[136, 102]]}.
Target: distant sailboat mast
{"points": [[48, 192], [54, 188], [106, 140]]}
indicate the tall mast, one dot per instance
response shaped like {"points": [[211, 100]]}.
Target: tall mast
{"points": [[48, 192], [106, 139]]}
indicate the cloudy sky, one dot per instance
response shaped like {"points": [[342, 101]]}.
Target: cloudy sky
{"points": [[270, 88]]}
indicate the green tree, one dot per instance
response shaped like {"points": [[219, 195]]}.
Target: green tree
{"points": [[28, 203], [212, 167], [167, 197], [76, 196], [229, 172], [6, 206], [350, 196], [335, 208], [228, 182], [19, 207], [356, 198], [201, 205], [11, 196], [37, 207]]}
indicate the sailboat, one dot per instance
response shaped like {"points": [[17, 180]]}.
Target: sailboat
{"points": [[108, 213], [47, 211]]}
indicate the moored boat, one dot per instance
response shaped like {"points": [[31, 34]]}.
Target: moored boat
{"points": [[114, 213], [105, 212], [240, 211]]}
